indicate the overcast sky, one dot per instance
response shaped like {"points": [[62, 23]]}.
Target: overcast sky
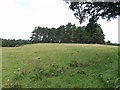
{"points": [[18, 18]]}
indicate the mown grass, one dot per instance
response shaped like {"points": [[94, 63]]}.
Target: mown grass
{"points": [[60, 66]]}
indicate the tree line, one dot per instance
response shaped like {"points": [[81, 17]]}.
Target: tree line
{"points": [[70, 33], [14, 43], [92, 33]]}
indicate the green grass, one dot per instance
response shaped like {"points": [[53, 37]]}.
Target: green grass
{"points": [[60, 66]]}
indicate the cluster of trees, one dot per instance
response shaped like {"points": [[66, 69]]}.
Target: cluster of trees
{"points": [[92, 33], [14, 43]]}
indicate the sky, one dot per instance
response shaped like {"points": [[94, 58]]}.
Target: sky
{"points": [[18, 18]]}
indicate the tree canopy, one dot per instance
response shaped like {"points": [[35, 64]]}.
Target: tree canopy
{"points": [[94, 10], [69, 34]]}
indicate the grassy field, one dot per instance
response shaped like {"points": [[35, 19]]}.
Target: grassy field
{"points": [[60, 66]]}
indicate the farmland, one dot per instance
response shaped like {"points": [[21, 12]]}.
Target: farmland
{"points": [[48, 65]]}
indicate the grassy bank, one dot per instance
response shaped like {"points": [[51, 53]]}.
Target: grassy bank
{"points": [[60, 66]]}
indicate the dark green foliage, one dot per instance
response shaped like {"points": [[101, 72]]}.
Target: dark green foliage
{"points": [[94, 10], [108, 42], [92, 33], [114, 44], [95, 33], [14, 43]]}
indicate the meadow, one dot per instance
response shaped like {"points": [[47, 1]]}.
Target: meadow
{"points": [[60, 66]]}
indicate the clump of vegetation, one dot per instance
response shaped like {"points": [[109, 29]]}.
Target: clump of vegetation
{"points": [[37, 74], [81, 72], [74, 64], [18, 75], [56, 70]]}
